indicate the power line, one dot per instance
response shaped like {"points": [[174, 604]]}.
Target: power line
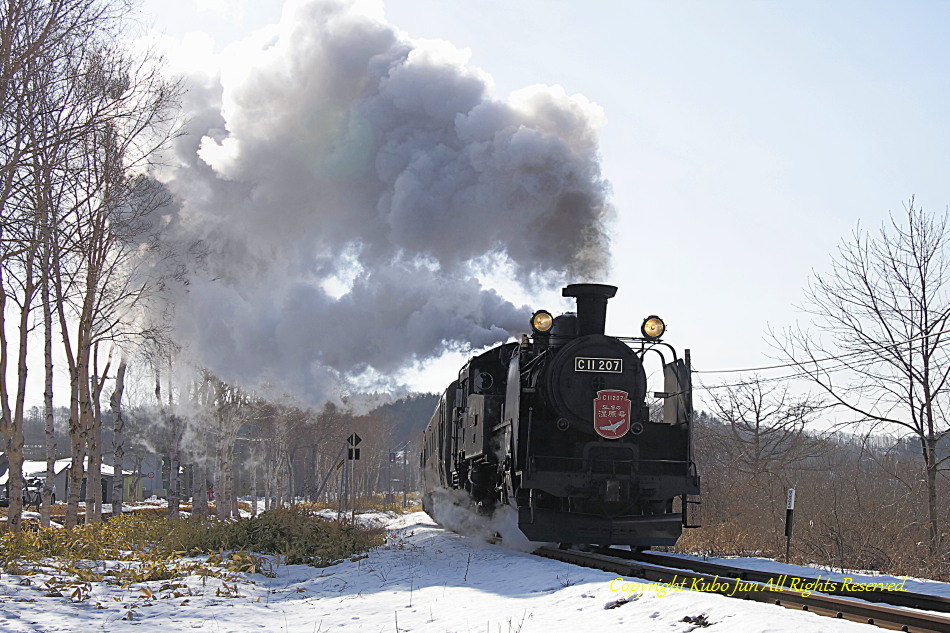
{"points": [[796, 375], [802, 373], [821, 360]]}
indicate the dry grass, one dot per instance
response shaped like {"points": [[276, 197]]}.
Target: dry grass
{"points": [[293, 534]]}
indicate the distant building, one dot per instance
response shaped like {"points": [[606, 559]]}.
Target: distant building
{"points": [[36, 470]]}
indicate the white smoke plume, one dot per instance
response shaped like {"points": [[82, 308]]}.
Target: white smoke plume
{"points": [[348, 185]]}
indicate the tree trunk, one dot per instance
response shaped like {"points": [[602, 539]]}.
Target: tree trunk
{"points": [[50, 426], [268, 483], [174, 465], [933, 522], [94, 442], [86, 418], [221, 507], [12, 422], [77, 442], [199, 486], [77, 446], [253, 485], [118, 439], [13, 437], [174, 457]]}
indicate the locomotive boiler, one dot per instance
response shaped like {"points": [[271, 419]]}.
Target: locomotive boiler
{"points": [[559, 426]]}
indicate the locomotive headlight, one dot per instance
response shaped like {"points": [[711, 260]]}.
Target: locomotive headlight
{"points": [[653, 327], [542, 321]]}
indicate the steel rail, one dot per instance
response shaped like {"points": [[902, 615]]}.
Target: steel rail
{"points": [[883, 616], [898, 598]]}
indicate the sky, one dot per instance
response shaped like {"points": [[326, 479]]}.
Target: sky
{"points": [[742, 141], [424, 579]]}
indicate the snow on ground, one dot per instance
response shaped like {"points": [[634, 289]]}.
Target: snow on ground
{"points": [[424, 579]]}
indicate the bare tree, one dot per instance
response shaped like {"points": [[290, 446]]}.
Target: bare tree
{"points": [[38, 41], [198, 451], [766, 424], [231, 407], [885, 306], [98, 267], [80, 119], [172, 421]]}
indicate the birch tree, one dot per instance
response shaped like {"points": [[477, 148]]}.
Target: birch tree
{"points": [[80, 120], [39, 39], [98, 271]]}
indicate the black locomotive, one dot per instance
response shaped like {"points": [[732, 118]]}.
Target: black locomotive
{"points": [[558, 426]]}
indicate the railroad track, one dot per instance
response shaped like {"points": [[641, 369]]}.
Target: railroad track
{"points": [[727, 581], [834, 588]]}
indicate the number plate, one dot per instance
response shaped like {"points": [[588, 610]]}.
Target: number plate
{"points": [[607, 365]]}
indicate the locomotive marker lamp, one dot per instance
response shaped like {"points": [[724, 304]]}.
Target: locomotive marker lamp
{"points": [[653, 327], [541, 321]]}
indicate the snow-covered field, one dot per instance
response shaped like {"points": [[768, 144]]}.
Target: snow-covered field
{"points": [[424, 579]]}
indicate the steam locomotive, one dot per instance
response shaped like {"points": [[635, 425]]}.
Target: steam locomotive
{"points": [[558, 426]]}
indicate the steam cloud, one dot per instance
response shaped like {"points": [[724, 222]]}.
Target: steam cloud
{"points": [[350, 186], [454, 510]]}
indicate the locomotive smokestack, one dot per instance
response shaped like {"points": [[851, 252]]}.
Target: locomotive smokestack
{"points": [[591, 306]]}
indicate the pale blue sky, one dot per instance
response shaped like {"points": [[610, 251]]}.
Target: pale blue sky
{"points": [[744, 139]]}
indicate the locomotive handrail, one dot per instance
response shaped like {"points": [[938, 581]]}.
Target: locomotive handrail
{"points": [[632, 341], [528, 366]]}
